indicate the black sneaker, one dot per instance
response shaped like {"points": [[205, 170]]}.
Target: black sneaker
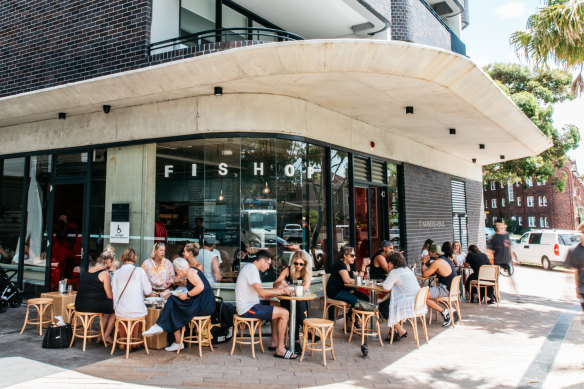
{"points": [[447, 320]]}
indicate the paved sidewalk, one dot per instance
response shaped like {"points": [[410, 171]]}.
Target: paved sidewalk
{"points": [[493, 349]]}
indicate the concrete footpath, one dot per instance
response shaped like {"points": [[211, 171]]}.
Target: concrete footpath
{"points": [[532, 342]]}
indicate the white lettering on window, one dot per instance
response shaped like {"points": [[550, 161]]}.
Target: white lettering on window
{"points": [[223, 169], [257, 169], [194, 169], [167, 170], [310, 172], [289, 170]]}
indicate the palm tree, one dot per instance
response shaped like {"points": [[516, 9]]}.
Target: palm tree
{"points": [[555, 34]]}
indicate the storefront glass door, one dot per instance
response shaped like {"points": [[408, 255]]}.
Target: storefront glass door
{"points": [[67, 233]]}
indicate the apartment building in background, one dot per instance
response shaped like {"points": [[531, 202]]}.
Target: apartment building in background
{"points": [[537, 204]]}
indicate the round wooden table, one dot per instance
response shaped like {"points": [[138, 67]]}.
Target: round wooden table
{"points": [[293, 300], [374, 288]]}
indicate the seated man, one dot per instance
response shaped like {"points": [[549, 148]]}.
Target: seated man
{"points": [[210, 258], [379, 268], [445, 271], [475, 259], [248, 291]]}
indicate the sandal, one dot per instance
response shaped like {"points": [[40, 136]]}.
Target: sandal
{"points": [[287, 355]]}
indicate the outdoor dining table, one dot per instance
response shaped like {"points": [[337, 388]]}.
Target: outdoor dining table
{"points": [[374, 288], [293, 300], [159, 341], [60, 302], [422, 280]]}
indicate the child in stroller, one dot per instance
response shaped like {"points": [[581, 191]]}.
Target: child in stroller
{"points": [[9, 292]]}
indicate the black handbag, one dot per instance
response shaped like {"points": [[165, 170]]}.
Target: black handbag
{"points": [[58, 336]]}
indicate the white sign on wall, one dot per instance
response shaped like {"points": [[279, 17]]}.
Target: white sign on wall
{"points": [[120, 232]]}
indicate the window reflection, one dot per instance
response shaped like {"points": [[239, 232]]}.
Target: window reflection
{"points": [[340, 200]]}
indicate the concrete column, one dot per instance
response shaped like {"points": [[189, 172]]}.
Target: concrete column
{"points": [[131, 178]]}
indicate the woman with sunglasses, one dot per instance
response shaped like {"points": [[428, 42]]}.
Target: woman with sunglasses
{"points": [[299, 270], [159, 270], [341, 274]]}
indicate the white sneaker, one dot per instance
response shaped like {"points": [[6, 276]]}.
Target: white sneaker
{"points": [[174, 347], [154, 330]]}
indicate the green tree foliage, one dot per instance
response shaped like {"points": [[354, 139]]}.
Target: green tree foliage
{"points": [[534, 94]]}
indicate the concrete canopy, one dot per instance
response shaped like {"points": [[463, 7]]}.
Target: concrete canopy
{"points": [[370, 81]]}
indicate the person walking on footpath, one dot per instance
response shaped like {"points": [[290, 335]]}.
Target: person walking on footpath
{"points": [[500, 244], [575, 260]]}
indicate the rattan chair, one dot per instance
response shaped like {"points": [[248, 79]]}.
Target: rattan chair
{"points": [[337, 304], [488, 276], [452, 301], [419, 305]]}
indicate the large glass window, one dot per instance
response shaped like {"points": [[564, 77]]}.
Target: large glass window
{"points": [[11, 182], [197, 16], [97, 204], [316, 205], [340, 199], [392, 194]]}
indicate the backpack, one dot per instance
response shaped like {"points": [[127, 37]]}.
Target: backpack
{"points": [[222, 321]]}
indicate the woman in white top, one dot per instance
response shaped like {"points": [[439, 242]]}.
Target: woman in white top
{"points": [[404, 287], [130, 285], [425, 248], [459, 256]]}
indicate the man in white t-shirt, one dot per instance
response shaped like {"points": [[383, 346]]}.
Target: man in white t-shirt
{"points": [[248, 291], [210, 258]]}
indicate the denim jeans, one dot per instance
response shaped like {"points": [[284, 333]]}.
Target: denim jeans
{"points": [[351, 298]]}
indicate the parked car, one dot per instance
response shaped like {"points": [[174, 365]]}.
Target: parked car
{"points": [[489, 232], [292, 231], [547, 248], [286, 250]]}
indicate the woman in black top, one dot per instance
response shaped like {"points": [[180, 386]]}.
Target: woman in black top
{"points": [[341, 275], [475, 259], [299, 270], [95, 292]]}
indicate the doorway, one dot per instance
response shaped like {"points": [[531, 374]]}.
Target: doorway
{"points": [[67, 233], [368, 221]]}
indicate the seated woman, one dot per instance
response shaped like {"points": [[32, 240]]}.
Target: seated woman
{"points": [[130, 285], [199, 300], [298, 270], [95, 292], [404, 287], [340, 275], [475, 259], [159, 270]]}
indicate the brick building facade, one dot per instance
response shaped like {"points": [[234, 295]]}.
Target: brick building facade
{"points": [[537, 204]]}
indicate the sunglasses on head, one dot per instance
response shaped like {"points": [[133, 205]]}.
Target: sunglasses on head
{"points": [[298, 263]]}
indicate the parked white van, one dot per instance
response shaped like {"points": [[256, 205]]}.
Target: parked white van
{"points": [[547, 248]]}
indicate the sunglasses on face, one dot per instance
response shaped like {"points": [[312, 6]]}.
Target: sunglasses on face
{"points": [[351, 255], [299, 264]]}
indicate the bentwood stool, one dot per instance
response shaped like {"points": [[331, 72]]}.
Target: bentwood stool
{"points": [[129, 340], [202, 337], [325, 330], [252, 324], [336, 304], [365, 317], [70, 311], [86, 331], [41, 305]]}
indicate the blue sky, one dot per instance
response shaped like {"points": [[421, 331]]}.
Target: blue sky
{"points": [[487, 41]]}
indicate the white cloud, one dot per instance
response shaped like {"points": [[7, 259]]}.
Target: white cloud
{"points": [[511, 10]]}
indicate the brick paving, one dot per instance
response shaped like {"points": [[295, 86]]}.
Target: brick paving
{"points": [[493, 349]]}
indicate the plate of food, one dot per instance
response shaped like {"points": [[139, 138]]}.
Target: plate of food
{"points": [[153, 300]]}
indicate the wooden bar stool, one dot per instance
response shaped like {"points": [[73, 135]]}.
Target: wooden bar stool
{"points": [[202, 337], [41, 305], [252, 324], [129, 340], [86, 331], [325, 330], [365, 318], [70, 310]]}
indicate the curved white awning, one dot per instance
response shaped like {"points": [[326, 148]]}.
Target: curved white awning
{"points": [[371, 81]]}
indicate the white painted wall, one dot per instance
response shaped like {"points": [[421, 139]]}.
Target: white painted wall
{"points": [[260, 113], [165, 20]]}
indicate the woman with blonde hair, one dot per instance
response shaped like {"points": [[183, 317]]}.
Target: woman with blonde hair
{"points": [[159, 270], [95, 292], [299, 270], [457, 253]]}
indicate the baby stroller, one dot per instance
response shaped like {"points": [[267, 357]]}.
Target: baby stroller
{"points": [[9, 292]]}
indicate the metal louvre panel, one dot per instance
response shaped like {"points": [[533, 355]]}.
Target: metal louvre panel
{"points": [[378, 172], [459, 217], [360, 169]]}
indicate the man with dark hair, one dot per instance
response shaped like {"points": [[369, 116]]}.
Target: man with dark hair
{"points": [[500, 244], [378, 269], [575, 260], [475, 259], [248, 290]]}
